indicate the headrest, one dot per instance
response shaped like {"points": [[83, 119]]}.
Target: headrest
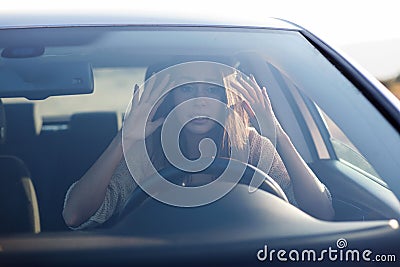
{"points": [[23, 121], [91, 122]]}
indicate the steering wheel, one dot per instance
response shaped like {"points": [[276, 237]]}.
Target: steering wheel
{"points": [[138, 196]]}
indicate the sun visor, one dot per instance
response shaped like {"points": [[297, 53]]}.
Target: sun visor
{"points": [[39, 80]]}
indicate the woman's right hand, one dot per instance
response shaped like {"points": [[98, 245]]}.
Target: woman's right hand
{"points": [[143, 109], [87, 195]]}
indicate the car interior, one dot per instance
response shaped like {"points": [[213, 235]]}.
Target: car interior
{"points": [[43, 154], [53, 159]]}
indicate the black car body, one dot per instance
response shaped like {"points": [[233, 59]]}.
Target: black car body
{"points": [[343, 122]]}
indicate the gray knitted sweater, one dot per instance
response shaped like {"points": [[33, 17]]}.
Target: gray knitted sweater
{"points": [[122, 184]]}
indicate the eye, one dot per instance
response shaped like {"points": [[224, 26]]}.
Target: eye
{"points": [[215, 90], [187, 88]]}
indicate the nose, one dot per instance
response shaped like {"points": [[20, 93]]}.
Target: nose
{"points": [[201, 95], [201, 90]]}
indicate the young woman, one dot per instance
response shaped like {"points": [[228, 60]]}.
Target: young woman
{"points": [[197, 97]]}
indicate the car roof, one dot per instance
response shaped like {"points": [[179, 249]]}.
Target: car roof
{"points": [[93, 18]]}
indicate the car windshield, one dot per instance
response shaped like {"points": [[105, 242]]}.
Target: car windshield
{"points": [[67, 92]]}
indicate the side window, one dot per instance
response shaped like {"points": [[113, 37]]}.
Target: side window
{"points": [[329, 141], [344, 149]]}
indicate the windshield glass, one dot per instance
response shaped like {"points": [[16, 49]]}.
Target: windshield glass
{"points": [[66, 129]]}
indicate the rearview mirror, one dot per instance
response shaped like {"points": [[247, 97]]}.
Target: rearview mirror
{"points": [[35, 79]]}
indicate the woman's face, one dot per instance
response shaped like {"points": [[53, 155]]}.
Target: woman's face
{"points": [[199, 86]]}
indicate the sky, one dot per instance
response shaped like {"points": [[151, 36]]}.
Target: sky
{"points": [[368, 31]]}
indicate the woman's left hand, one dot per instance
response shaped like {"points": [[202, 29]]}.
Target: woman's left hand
{"points": [[256, 103], [310, 194]]}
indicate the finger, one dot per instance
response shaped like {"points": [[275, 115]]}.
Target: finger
{"points": [[250, 88], [147, 87], [155, 108], [248, 109], [155, 93], [135, 99], [261, 95], [268, 101], [256, 87], [157, 102], [244, 83], [153, 125], [246, 91], [266, 97], [264, 92], [239, 88]]}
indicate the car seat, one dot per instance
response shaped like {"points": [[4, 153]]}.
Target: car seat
{"points": [[19, 211]]}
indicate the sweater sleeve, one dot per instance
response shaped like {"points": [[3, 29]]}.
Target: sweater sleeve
{"points": [[121, 186], [264, 156], [263, 152]]}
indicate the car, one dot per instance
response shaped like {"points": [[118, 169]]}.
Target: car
{"points": [[67, 84]]}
